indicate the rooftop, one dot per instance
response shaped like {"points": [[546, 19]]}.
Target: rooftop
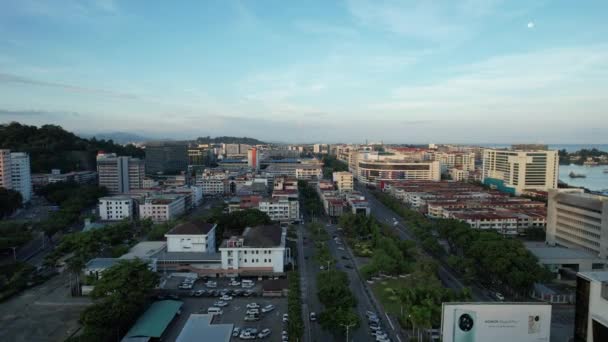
{"points": [[192, 228], [543, 251], [595, 276], [145, 250], [155, 320], [199, 328], [101, 263]]}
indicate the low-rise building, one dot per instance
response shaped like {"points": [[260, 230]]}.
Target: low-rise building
{"points": [[162, 208], [192, 236], [556, 258], [259, 251], [115, 208], [343, 180], [212, 186], [280, 209]]}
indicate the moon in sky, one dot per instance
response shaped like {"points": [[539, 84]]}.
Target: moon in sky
{"points": [[531, 25]]}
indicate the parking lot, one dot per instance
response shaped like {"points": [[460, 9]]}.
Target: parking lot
{"points": [[233, 313]]}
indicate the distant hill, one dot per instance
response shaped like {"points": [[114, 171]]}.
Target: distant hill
{"points": [[50, 146], [118, 137], [229, 140]]}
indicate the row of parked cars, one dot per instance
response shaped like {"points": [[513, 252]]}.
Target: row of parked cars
{"points": [[222, 292], [250, 333], [375, 329]]}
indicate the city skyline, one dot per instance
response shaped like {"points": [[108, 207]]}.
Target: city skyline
{"points": [[472, 71]]}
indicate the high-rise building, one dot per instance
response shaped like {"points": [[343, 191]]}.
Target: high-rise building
{"points": [[120, 174], [21, 175], [166, 157], [514, 171], [578, 220], [5, 169], [464, 161], [344, 181], [591, 311], [253, 158]]}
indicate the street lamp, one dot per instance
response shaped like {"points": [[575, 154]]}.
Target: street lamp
{"points": [[347, 326]]}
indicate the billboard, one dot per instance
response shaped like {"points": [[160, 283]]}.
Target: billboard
{"points": [[496, 322]]}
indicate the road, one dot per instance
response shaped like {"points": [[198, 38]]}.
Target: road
{"points": [[447, 277]]}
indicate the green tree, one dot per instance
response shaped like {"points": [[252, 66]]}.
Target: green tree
{"points": [[10, 201]]}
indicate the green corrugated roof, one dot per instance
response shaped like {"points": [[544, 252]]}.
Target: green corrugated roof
{"points": [[156, 319]]}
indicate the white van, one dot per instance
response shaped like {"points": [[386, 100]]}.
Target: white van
{"points": [[246, 283], [214, 310]]}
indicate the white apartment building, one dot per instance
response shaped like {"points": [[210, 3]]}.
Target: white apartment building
{"points": [[459, 175], [120, 174], [514, 171], [162, 208], [344, 181], [21, 175], [460, 160], [280, 210], [192, 236], [212, 186], [591, 312], [5, 169], [309, 172], [372, 168], [259, 251], [115, 208], [578, 220]]}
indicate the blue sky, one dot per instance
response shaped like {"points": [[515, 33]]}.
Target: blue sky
{"points": [[398, 71]]}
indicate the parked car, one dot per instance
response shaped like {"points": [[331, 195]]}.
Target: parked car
{"points": [[370, 314], [236, 332], [341, 248], [245, 335], [211, 283], [264, 333], [313, 316], [268, 308], [220, 304], [252, 312], [499, 296], [374, 327], [234, 283], [226, 297], [185, 286], [285, 318], [253, 306], [199, 293], [250, 318]]}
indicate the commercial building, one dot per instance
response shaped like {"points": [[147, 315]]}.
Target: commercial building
{"points": [[591, 312], [464, 161], [253, 160], [578, 220], [516, 170], [259, 251], [21, 176], [120, 174], [296, 170], [5, 169], [115, 208], [166, 157], [374, 172], [281, 210], [192, 236], [162, 208], [344, 181]]}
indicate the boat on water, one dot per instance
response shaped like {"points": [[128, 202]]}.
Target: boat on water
{"points": [[572, 174]]}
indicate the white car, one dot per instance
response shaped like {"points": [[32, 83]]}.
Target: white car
{"points": [[236, 332], [341, 248], [370, 314], [268, 308], [211, 284], [312, 316], [220, 304], [264, 333], [234, 283], [383, 339], [226, 297], [245, 335], [253, 306], [285, 318], [252, 312]]}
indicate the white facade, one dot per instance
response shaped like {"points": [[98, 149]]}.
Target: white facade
{"points": [[515, 171], [591, 313], [239, 258], [5, 169], [371, 168], [281, 210], [178, 241], [162, 209], [309, 172], [460, 160], [459, 175], [21, 176], [344, 181], [115, 208], [578, 220], [211, 186]]}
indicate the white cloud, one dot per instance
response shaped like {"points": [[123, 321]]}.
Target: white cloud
{"points": [[531, 25]]}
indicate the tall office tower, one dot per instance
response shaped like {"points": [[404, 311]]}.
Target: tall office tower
{"points": [[517, 170], [578, 220], [166, 157], [253, 158], [21, 175], [120, 174], [5, 169]]}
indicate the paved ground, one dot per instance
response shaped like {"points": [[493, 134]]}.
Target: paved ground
{"points": [[233, 313], [44, 313]]}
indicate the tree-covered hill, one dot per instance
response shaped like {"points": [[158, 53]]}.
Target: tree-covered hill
{"points": [[229, 140], [50, 146]]}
